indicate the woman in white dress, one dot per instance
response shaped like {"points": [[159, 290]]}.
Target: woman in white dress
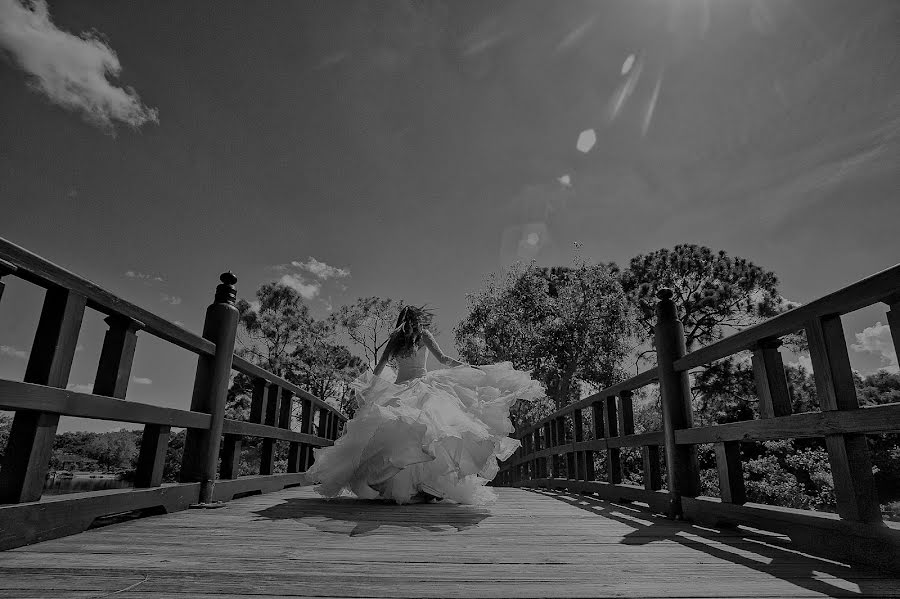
{"points": [[427, 435]]}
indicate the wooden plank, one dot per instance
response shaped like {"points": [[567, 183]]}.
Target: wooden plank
{"points": [[626, 413], [819, 533], [869, 291], [116, 357], [24, 396], [5, 269], [27, 456], [731, 473], [306, 416], [36, 270], [893, 318], [286, 409], [242, 365], [835, 389], [872, 420], [658, 501], [636, 382], [848, 454], [258, 399], [231, 457], [771, 380], [250, 429], [652, 475], [152, 456]]}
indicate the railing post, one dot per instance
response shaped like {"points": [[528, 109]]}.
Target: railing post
{"points": [[682, 470], [27, 456], [201, 447], [613, 454], [848, 454], [5, 269]]}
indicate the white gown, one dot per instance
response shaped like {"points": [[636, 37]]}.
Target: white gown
{"points": [[438, 432]]}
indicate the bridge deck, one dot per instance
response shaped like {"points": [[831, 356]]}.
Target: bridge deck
{"points": [[292, 544]]}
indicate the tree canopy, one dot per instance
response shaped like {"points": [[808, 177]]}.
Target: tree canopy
{"points": [[569, 326]]}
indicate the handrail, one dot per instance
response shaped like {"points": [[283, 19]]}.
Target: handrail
{"points": [[42, 398], [552, 456], [36, 270]]}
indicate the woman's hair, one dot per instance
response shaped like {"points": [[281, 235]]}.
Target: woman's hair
{"points": [[411, 323]]}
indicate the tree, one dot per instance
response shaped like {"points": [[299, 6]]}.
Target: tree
{"points": [[368, 323], [568, 326], [713, 291], [270, 331]]}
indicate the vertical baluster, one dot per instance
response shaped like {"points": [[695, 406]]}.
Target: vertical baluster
{"points": [[306, 415], [578, 423], [27, 456], [152, 457], [731, 473], [771, 380], [613, 454], [851, 467], [116, 356], [258, 406], [5, 269], [893, 317], [201, 447], [548, 460], [231, 457], [286, 409], [652, 475], [273, 410], [682, 469]]}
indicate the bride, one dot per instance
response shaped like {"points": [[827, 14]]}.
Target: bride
{"points": [[427, 435]]}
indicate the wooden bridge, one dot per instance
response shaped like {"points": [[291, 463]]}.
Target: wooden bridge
{"points": [[555, 531]]}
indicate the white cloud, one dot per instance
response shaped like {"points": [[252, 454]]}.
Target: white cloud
{"points": [[70, 70], [141, 380], [877, 340], [171, 299], [13, 352], [140, 276], [308, 290], [88, 388], [321, 270]]}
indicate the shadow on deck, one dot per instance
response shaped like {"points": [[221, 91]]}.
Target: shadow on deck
{"points": [[530, 543]]}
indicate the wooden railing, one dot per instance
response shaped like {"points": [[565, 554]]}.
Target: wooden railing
{"points": [[550, 458], [211, 463]]}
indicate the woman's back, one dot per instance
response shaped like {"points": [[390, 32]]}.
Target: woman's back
{"points": [[412, 366]]}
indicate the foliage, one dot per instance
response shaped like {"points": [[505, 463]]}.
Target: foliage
{"points": [[114, 451], [570, 327], [713, 291], [273, 329], [5, 426], [368, 323]]}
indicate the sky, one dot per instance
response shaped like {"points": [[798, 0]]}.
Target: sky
{"points": [[408, 149]]}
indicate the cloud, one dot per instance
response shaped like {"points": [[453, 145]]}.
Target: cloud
{"points": [[171, 299], [8, 350], [321, 270], [308, 290], [139, 380], [877, 340], [87, 388], [132, 274], [70, 70]]}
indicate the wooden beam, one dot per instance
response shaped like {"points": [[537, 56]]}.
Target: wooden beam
{"points": [[771, 380], [27, 396], [27, 455], [116, 356], [152, 457], [652, 476], [231, 456], [731, 473], [848, 454]]}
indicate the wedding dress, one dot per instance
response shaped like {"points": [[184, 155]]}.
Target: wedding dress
{"points": [[438, 432]]}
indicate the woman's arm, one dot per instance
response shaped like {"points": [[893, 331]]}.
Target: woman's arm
{"points": [[435, 349], [385, 355]]}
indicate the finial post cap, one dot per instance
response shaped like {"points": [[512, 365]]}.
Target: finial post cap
{"points": [[665, 294], [226, 292]]}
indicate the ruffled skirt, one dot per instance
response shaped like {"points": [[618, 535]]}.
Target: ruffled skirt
{"points": [[441, 434]]}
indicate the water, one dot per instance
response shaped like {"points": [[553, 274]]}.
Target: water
{"points": [[82, 482]]}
